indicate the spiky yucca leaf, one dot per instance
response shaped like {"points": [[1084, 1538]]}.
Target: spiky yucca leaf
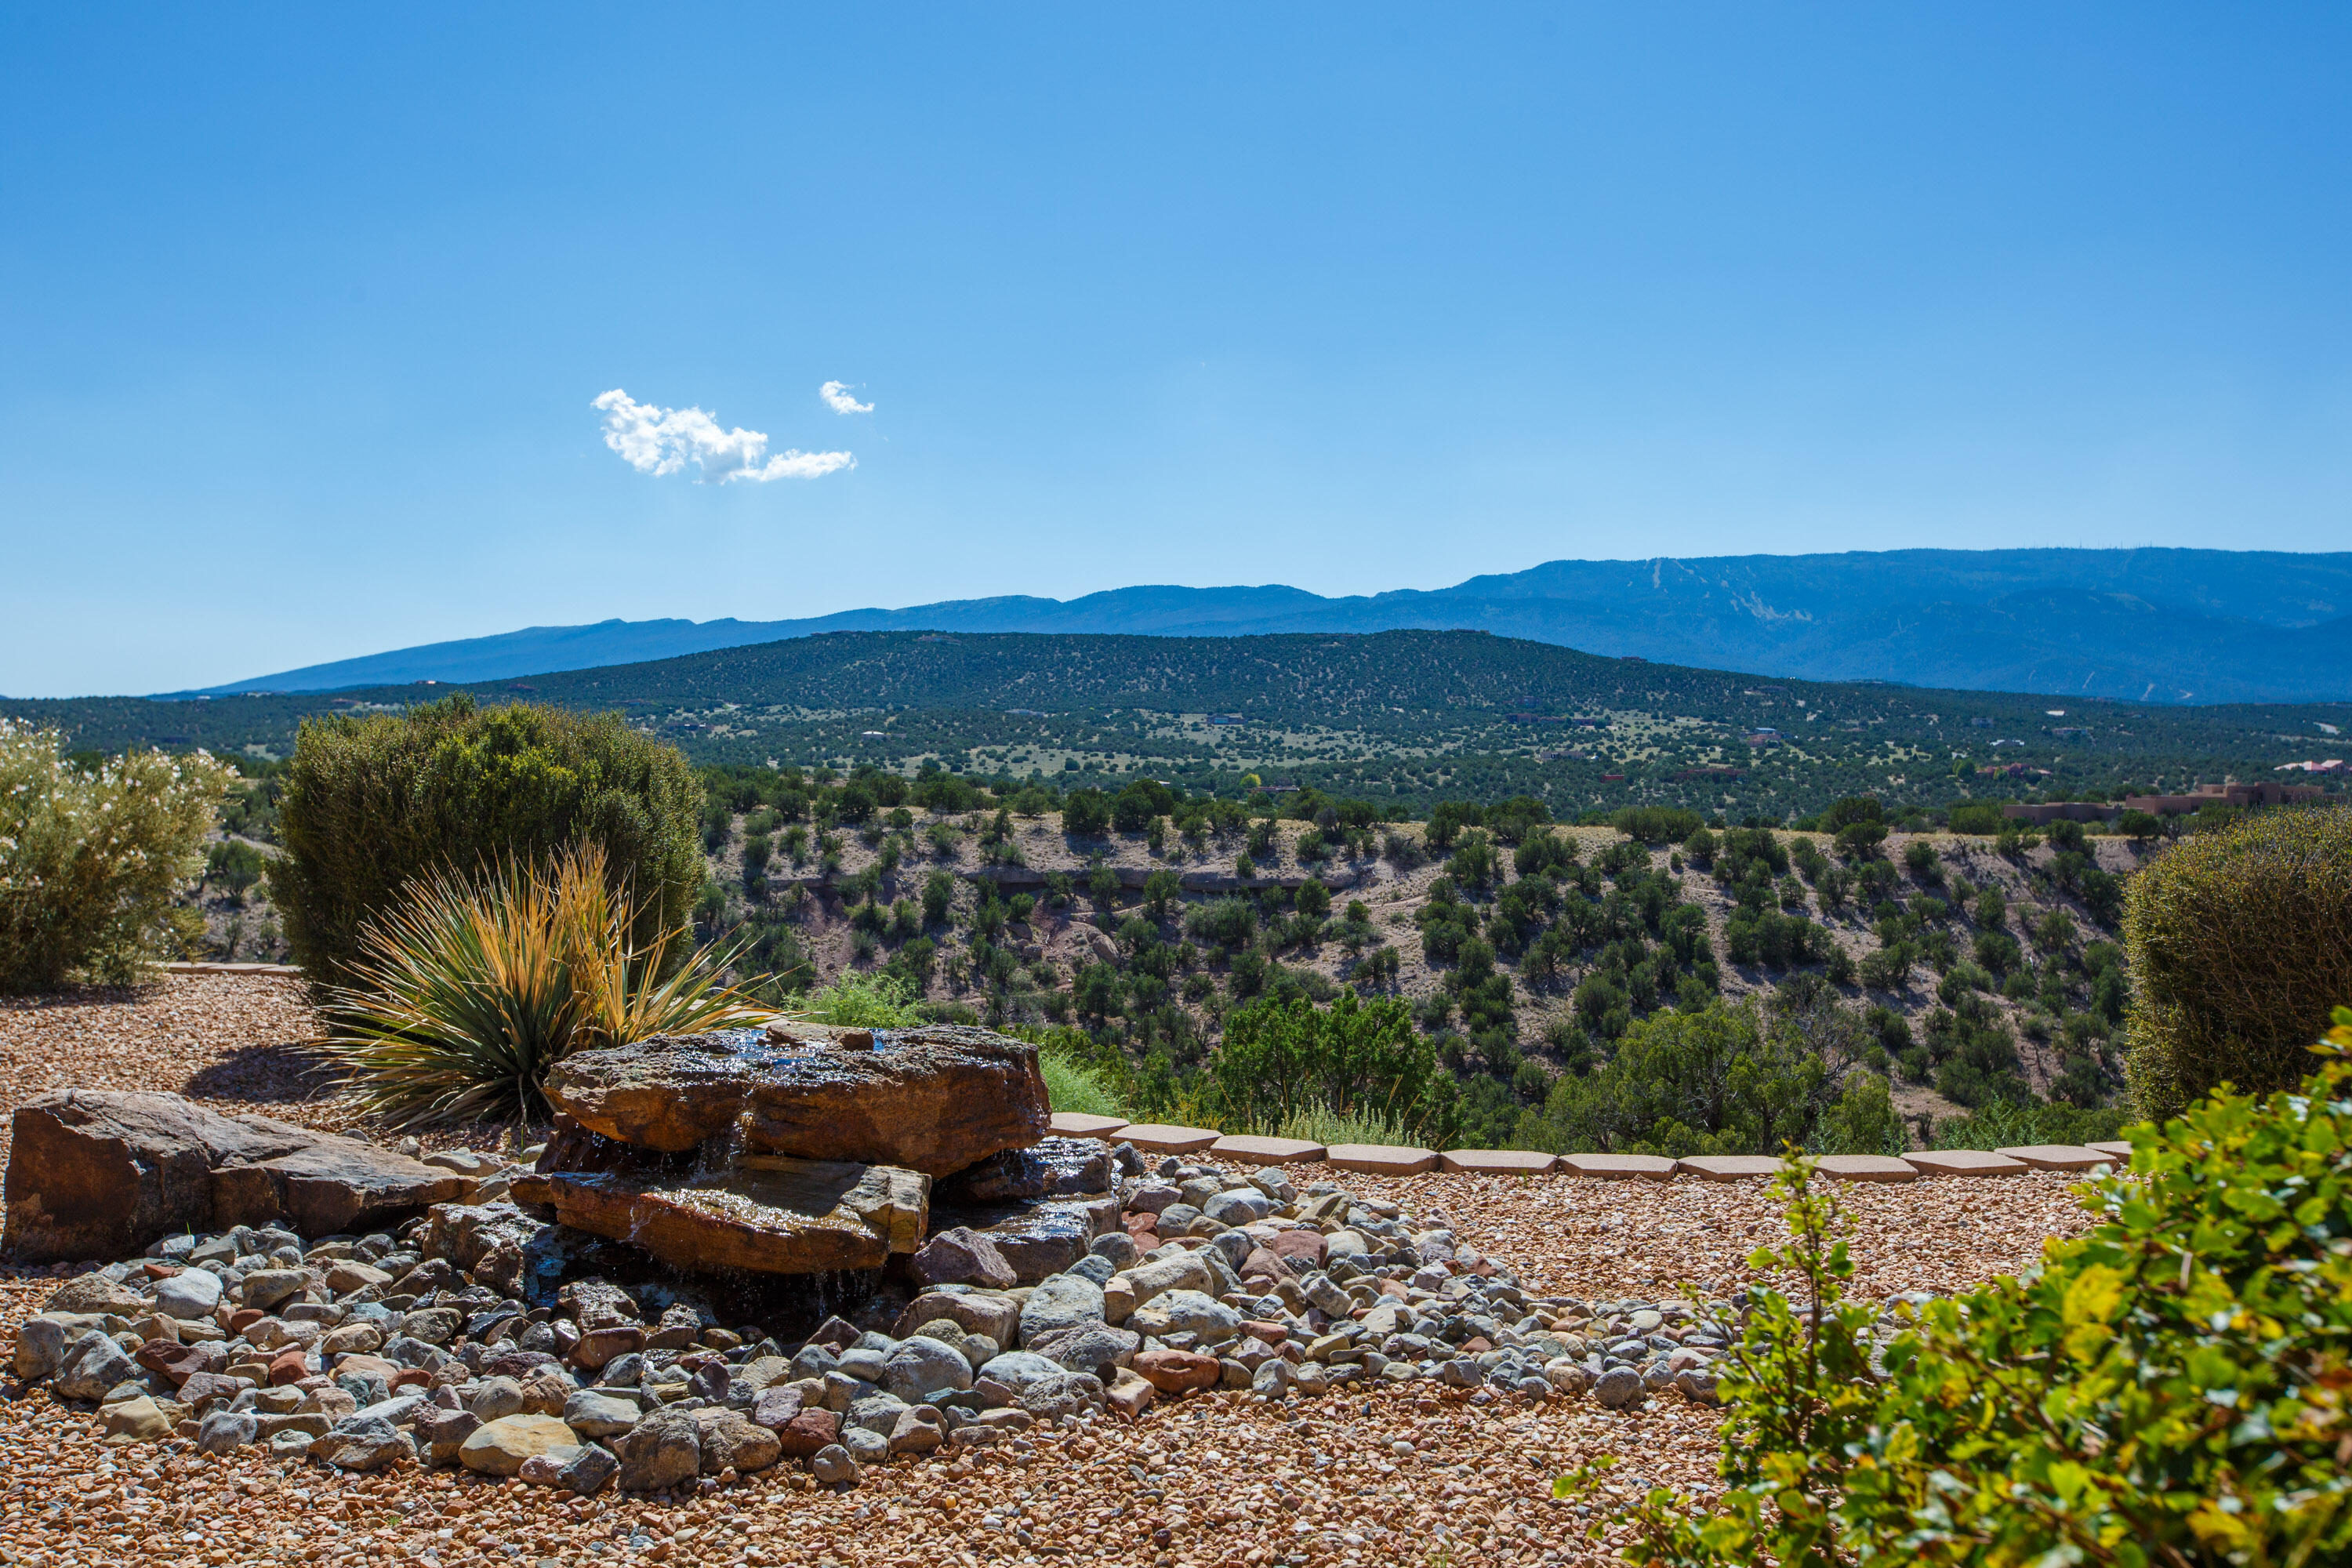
{"points": [[468, 990]]}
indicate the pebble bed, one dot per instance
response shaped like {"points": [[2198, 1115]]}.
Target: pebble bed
{"points": [[1405, 1394]]}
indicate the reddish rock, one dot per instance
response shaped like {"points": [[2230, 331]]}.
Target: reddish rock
{"points": [[1177, 1371], [177, 1362], [1394, 1290], [1272, 1334], [289, 1366], [1263, 1265], [767, 1213], [961, 1256], [102, 1172], [1305, 1244], [1477, 1345], [359, 1363], [205, 1386], [807, 1432], [409, 1377], [598, 1346], [245, 1318]]}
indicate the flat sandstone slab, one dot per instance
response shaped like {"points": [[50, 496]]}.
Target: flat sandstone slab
{"points": [[934, 1099], [1965, 1162], [1161, 1138], [1498, 1162], [1266, 1151], [771, 1214], [1867, 1168], [2118, 1149], [1382, 1159], [1078, 1124], [1620, 1167], [2059, 1157], [1732, 1167]]}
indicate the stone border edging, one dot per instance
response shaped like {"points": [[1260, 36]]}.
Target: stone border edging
{"points": [[207, 968], [1383, 1160]]}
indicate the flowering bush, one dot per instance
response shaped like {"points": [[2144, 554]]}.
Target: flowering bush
{"points": [[90, 858], [2174, 1387]]}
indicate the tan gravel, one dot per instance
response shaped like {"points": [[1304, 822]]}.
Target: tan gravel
{"points": [[1213, 1481]]}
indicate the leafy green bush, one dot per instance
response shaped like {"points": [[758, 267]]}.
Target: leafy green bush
{"points": [[465, 993], [1074, 1085], [1354, 1058], [2171, 1388], [371, 803], [2009, 1123], [89, 855], [2240, 941], [863, 1000], [1723, 1080]]}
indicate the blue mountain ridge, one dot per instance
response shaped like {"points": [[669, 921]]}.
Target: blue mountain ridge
{"points": [[2151, 625]]}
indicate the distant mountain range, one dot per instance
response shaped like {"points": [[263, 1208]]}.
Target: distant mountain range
{"points": [[2147, 626]]}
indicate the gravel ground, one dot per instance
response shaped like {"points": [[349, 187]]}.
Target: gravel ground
{"points": [[1393, 1475]]}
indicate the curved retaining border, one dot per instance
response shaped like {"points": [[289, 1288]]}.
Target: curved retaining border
{"points": [[1384, 1160]]}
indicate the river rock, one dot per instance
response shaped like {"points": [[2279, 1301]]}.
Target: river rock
{"points": [[961, 1256], [659, 1451], [935, 1100], [500, 1448], [730, 1440], [190, 1293], [767, 1213]]}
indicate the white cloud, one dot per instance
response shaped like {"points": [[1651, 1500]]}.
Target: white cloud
{"points": [[836, 397], [663, 440]]}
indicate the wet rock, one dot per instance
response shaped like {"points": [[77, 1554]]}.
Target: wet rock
{"points": [[1055, 1167], [497, 1243], [934, 1099], [766, 1213]]}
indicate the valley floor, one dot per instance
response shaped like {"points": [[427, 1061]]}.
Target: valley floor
{"points": [[1403, 1474]]}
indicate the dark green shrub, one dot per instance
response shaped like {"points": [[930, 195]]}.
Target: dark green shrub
{"points": [[374, 802], [1280, 1059], [1085, 813], [2240, 941], [1657, 823], [1723, 1080], [2169, 1388]]}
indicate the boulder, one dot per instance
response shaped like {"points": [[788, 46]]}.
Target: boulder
{"points": [[732, 1441], [499, 1447], [363, 1443], [1086, 1347], [1036, 1239], [92, 1367], [921, 1369], [660, 1451], [101, 1172], [1057, 1167], [934, 1099], [998, 1317], [1058, 1303], [808, 1432], [86, 1295], [1178, 1372], [767, 1213], [190, 1293], [961, 1256]]}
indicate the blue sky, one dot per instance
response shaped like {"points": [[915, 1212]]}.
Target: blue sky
{"points": [[302, 312]]}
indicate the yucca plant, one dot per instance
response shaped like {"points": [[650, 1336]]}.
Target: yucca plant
{"points": [[470, 989]]}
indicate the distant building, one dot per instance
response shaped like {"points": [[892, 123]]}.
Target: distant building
{"points": [[2230, 793], [1613, 778]]}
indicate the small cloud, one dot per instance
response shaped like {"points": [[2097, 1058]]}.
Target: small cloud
{"points": [[836, 397], [661, 441]]}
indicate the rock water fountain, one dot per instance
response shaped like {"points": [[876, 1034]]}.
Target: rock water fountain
{"points": [[905, 1258], [800, 1148]]}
